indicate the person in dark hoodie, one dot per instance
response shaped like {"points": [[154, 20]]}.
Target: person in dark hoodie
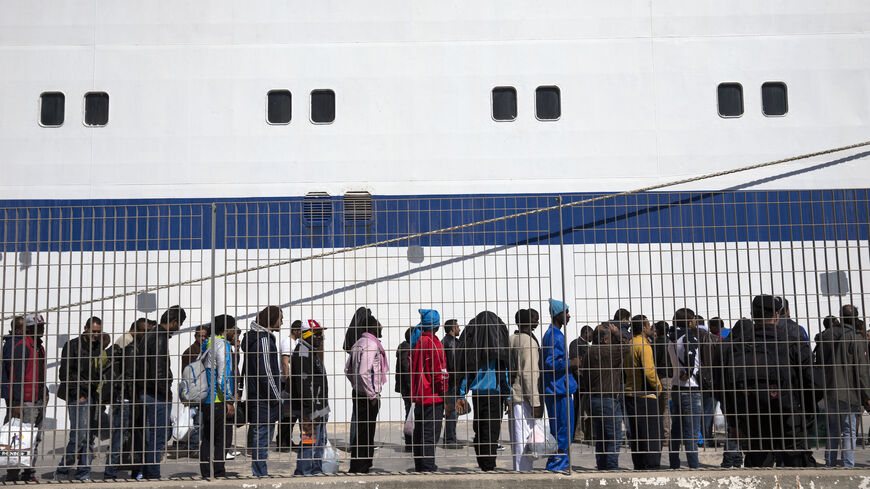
{"points": [[483, 364], [262, 374], [79, 378], [23, 384], [764, 365], [308, 375], [154, 377]]}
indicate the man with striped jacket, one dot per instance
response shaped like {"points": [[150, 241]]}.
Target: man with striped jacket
{"points": [[263, 383]]}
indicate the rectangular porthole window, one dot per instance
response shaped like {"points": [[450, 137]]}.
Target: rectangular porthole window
{"points": [[730, 96], [548, 103], [322, 106], [504, 103], [96, 109], [51, 109], [279, 107], [774, 99]]}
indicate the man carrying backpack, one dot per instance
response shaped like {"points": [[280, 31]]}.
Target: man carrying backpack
{"points": [[841, 355], [154, 381], [765, 364], [217, 358]]}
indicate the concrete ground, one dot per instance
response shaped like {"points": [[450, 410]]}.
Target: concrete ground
{"points": [[458, 466]]}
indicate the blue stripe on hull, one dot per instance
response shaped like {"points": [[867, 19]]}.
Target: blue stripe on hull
{"points": [[656, 217]]}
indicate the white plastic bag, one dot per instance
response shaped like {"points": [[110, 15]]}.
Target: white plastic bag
{"points": [[409, 422], [182, 422], [540, 443], [16, 442], [329, 465]]}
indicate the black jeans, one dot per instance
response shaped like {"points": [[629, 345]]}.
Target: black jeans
{"points": [[427, 429], [488, 411], [366, 417], [222, 432], [644, 435]]}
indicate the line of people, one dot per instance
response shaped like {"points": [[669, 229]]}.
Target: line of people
{"points": [[660, 383]]}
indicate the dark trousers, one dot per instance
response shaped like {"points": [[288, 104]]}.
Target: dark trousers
{"points": [[427, 429], [285, 429], [213, 423], [768, 435], [644, 435], [450, 417], [362, 450], [487, 426]]}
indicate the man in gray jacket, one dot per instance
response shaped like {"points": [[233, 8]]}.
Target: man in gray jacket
{"points": [[841, 354]]}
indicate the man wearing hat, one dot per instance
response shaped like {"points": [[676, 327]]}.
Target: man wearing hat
{"points": [[558, 385], [23, 386], [311, 400], [428, 385]]}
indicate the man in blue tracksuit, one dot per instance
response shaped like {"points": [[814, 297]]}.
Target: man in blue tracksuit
{"points": [[558, 385]]}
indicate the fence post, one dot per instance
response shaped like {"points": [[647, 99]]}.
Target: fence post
{"points": [[568, 398], [213, 387]]}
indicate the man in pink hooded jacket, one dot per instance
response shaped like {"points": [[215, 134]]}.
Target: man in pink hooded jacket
{"points": [[366, 369]]}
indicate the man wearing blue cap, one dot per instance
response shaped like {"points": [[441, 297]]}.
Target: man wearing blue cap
{"points": [[428, 386], [558, 385]]}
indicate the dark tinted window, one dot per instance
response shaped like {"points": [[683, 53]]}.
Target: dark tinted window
{"points": [[774, 98], [96, 108], [279, 107], [504, 103], [51, 106], [730, 99], [548, 103], [322, 106]]}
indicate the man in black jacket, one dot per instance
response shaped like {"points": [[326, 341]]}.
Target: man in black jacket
{"points": [[767, 362], [118, 392], [451, 332], [312, 402], [154, 381], [79, 379], [262, 374]]}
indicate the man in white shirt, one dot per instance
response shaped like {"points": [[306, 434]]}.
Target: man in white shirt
{"points": [[288, 417], [686, 411]]}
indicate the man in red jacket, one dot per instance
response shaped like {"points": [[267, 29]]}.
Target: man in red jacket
{"points": [[23, 384], [428, 384]]}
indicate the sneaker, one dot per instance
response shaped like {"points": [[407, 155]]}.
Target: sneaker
{"points": [[501, 447], [234, 452], [230, 456]]}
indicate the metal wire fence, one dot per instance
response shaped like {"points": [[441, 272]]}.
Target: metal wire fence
{"points": [[273, 337]]}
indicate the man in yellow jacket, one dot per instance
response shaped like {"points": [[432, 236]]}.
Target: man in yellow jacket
{"points": [[642, 386]]}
